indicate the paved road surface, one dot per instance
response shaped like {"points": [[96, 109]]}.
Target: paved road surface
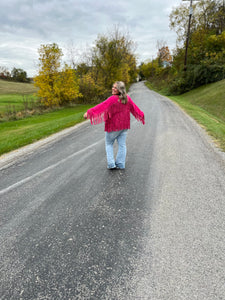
{"points": [[71, 229]]}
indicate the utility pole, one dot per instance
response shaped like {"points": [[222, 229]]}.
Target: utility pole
{"points": [[223, 16], [188, 33]]}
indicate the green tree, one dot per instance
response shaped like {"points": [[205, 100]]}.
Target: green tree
{"points": [[19, 75], [206, 50], [148, 69], [208, 16], [90, 90], [113, 59]]}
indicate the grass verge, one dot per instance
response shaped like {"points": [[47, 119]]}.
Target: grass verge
{"points": [[212, 124], [206, 105], [15, 134], [15, 102]]}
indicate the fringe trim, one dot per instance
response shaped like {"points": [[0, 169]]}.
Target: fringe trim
{"points": [[97, 118], [140, 118], [110, 108]]}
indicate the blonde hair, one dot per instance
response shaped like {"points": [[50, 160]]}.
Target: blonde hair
{"points": [[120, 85]]}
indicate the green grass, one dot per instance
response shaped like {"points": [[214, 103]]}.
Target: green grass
{"points": [[15, 134], [13, 95], [8, 102], [213, 125], [206, 105], [210, 98]]}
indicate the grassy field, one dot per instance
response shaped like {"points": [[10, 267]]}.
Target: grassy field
{"points": [[9, 102], [13, 95], [206, 105], [10, 87], [15, 134]]}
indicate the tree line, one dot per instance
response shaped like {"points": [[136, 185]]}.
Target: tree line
{"points": [[206, 49], [112, 58], [17, 74]]}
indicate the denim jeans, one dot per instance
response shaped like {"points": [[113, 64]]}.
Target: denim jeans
{"points": [[110, 138]]}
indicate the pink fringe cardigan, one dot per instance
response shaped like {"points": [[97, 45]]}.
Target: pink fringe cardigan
{"points": [[115, 114]]}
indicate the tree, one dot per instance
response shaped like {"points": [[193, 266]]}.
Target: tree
{"points": [[164, 55], [150, 69], [4, 73], [19, 75], [179, 21], [90, 90], [66, 87], [207, 15], [56, 86], [210, 15], [113, 59], [206, 32], [206, 50], [49, 67]]}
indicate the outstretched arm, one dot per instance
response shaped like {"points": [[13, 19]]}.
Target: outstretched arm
{"points": [[99, 113], [136, 112]]}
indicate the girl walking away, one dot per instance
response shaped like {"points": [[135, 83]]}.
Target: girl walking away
{"points": [[115, 112]]}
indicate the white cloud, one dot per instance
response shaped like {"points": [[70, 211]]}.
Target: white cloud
{"points": [[26, 24]]}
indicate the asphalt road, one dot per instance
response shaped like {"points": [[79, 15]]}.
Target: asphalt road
{"points": [[71, 229]]}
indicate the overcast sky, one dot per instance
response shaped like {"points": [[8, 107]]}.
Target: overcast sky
{"points": [[26, 24]]}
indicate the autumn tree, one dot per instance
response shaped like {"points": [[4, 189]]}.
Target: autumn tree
{"points": [[92, 92], [164, 55], [113, 59], [66, 86], [57, 85], [206, 49], [49, 67], [208, 16], [4, 73], [208, 19]]}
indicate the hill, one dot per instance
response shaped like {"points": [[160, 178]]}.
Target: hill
{"points": [[206, 105], [10, 87], [13, 95], [210, 97]]}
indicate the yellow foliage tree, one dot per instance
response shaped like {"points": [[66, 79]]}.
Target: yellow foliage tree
{"points": [[66, 87], [56, 87], [90, 90]]}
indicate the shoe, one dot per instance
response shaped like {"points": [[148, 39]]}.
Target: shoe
{"points": [[118, 168], [114, 168]]}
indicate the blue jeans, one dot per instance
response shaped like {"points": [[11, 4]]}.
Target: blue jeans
{"points": [[110, 138]]}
